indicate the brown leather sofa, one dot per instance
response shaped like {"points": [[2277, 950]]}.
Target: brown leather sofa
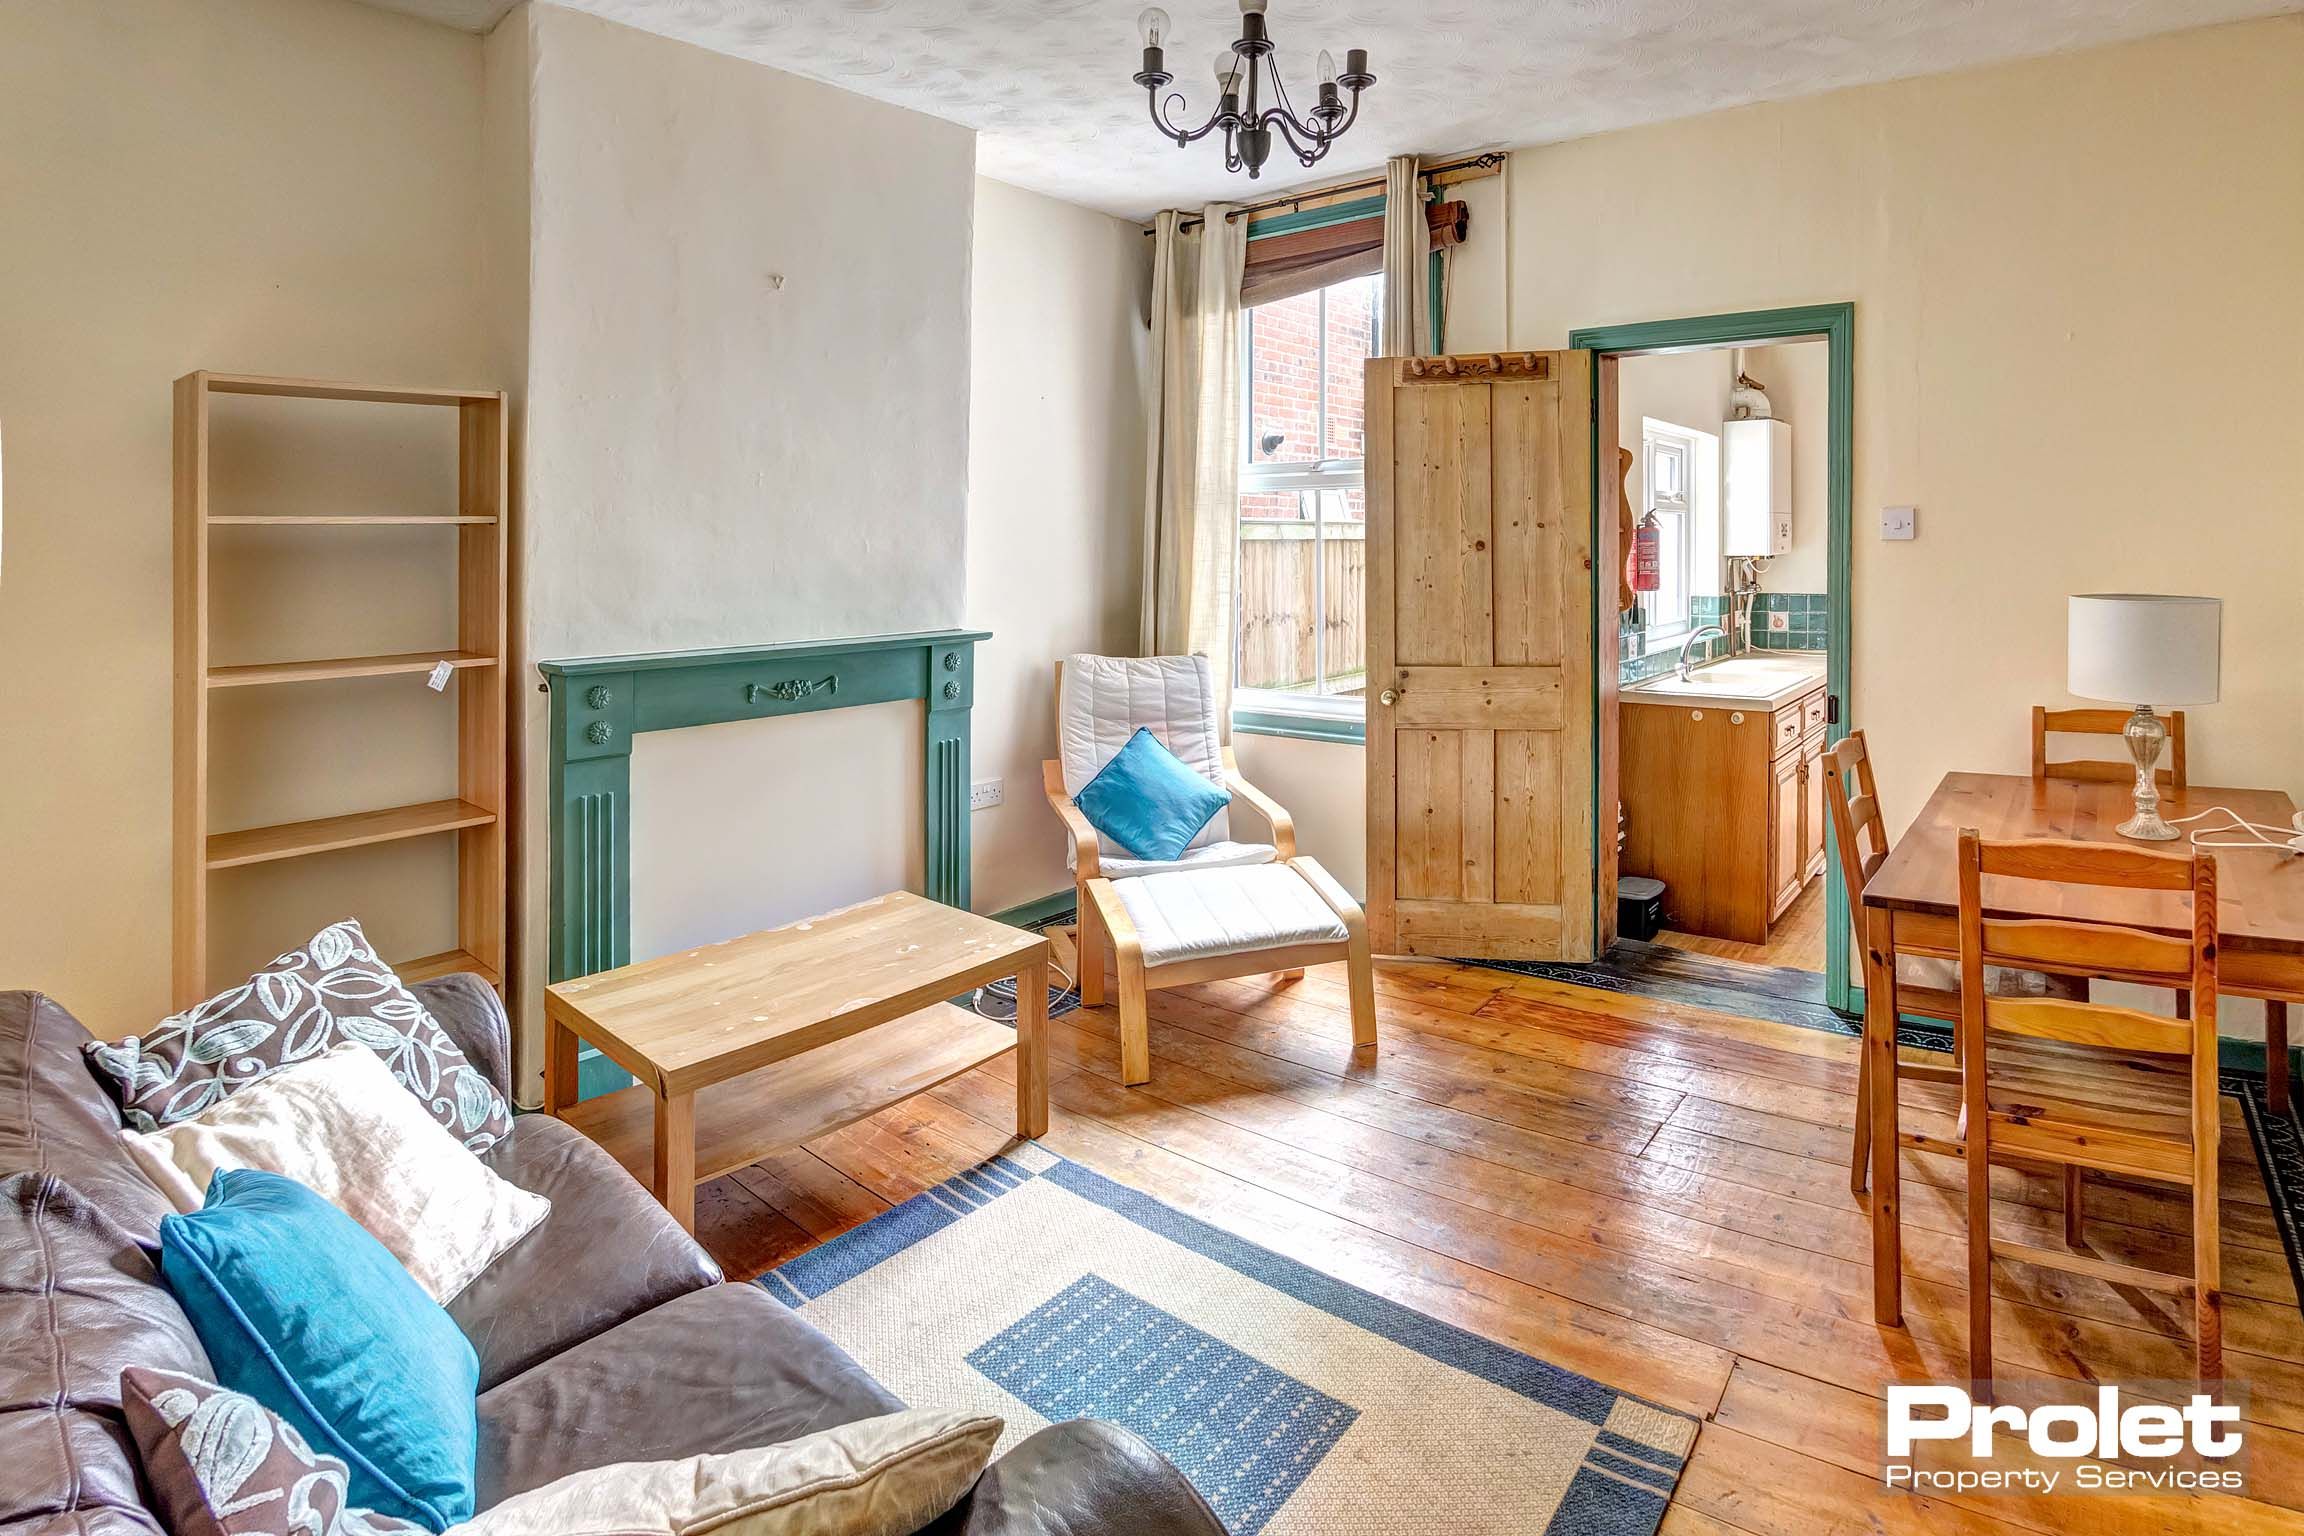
{"points": [[606, 1335]]}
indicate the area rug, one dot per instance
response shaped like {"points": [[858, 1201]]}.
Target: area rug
{"points": [[1036, 1289]]}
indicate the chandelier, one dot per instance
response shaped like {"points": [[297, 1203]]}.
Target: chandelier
{"points": [[1241, 69]]}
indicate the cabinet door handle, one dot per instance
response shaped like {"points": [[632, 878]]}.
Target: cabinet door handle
{"points": [[1386, 697]]}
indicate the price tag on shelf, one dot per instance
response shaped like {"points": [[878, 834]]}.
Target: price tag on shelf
{"points": [[437, 679]]}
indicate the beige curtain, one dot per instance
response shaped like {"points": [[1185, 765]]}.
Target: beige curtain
{"points": [[1407, 261], [1192, 442]]}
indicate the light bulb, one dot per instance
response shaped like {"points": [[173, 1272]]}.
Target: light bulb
{"points": [[1227, 71], [1251, 7], [1327, 67], [1153, 24]]}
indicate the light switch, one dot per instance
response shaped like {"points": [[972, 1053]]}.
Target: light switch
{"points": [[1899, 522]]}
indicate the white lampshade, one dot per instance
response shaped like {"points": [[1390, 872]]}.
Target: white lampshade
{"points": [[2141, 648]]}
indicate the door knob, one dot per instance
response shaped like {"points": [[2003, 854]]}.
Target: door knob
{"points": [[1386, 697]]}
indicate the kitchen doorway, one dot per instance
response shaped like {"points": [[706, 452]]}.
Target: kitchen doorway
{"points": [[1722, 489]]}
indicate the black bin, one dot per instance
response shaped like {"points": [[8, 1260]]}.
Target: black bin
{"points": [[1639, 907]]}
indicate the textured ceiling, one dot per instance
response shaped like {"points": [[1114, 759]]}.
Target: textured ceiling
{"points": [[1045, 82]]}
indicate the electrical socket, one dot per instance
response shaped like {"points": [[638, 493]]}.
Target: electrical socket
{"points": [[985, 792]]}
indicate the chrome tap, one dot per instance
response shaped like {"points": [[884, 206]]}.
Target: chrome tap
{"points": [[1681, 671]]}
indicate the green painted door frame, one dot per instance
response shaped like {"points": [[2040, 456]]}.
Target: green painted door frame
{"points": [[1836, 325], [599, 703]]}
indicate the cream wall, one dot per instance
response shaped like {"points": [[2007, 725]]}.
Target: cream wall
{"points": [[1055, 497], [272, 186], [2022, 244], [2019, 243], [746, 421]]}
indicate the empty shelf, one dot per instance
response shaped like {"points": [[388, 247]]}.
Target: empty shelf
{"points": [[257, 845], [341, 666], [325, 389], [446, 963], [358, 520]]}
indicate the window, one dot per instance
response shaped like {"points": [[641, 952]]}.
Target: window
{"points": [[1299, 641], [1668, 457]]}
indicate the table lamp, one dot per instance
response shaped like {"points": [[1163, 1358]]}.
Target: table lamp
{"points": [[2143, 649]]}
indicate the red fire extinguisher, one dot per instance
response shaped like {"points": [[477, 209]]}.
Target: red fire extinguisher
{"points": [[1647, 555]]}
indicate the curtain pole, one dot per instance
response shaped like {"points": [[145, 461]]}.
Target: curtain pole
{"points": [[1484, 161]]}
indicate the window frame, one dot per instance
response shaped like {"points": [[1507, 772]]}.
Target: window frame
{"points": [[1317, 713], [1676, 519]]}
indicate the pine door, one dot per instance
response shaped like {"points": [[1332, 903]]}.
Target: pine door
{"points": [[1480, 703]]}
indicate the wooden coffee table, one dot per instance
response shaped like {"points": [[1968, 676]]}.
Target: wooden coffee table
{"points": [[760, 1043]]}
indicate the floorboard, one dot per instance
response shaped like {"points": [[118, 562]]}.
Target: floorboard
{"points": [[1652, 1193], [1795, 940]]}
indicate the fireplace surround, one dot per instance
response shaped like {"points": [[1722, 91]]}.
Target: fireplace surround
{"points": [[600, 703]]}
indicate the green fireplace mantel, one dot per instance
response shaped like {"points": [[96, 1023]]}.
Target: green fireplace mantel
{"points": [[600, 703]]}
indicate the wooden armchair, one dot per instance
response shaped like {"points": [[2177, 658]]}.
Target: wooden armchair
{"points": [[1285, 920], [1190, 700]]}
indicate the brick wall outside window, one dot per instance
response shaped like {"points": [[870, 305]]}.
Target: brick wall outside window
{"points": [[1282, 640]]}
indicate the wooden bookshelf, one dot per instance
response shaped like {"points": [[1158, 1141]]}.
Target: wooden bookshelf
{"points": [[476, 815]]}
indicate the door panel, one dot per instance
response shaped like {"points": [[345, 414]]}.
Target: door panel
{"points": [[1785, 860], [1504, 699], [1443, 455], [1529, 501], [1431, 826], [1527, 830], [1479, 650]]}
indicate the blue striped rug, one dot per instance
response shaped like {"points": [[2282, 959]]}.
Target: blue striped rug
{"points": [[1036, 1289]]}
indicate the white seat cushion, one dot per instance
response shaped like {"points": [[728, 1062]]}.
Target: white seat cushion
{"points": [[1194, 914], [1207, 856]]}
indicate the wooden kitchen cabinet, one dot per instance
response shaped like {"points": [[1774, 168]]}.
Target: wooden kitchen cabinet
{"points": [[1725, 805], [1788, 777], [1812, 811]]}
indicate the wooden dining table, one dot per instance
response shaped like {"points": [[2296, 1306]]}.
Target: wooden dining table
{"points": [[1912, 905]]}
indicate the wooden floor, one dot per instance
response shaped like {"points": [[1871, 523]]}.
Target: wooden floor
{"points": [[1647, 1193], [1796, 939]]}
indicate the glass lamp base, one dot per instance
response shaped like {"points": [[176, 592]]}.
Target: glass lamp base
{"points": [[2147, 827], [2145, 736]]}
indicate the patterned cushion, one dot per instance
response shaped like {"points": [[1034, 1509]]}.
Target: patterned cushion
{"points": [[222, 1464], [334, 988]]}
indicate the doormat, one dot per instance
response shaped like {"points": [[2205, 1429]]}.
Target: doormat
{"points": [[1638, 968]]}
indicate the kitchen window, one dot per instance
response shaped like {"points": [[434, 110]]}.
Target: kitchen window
{"points": [[1668, 460], [1300, 643]]}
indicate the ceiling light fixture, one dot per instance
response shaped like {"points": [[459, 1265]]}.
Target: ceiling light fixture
{"points": [[1240, 75]]}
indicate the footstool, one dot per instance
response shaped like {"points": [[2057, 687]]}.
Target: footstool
{"points": [[1190, 925]]}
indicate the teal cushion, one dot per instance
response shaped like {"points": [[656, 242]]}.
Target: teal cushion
{"points": [[302, 1310], [1148, 801]]}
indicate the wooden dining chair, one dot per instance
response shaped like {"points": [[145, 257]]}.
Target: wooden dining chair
{"points": [[2100, 722], [1927, 980], [1853, 801], [2086, 1085]]}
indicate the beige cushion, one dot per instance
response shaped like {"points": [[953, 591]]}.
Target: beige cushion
{"points": [[1195, 914], [876, 1477], [343, 1127]]}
